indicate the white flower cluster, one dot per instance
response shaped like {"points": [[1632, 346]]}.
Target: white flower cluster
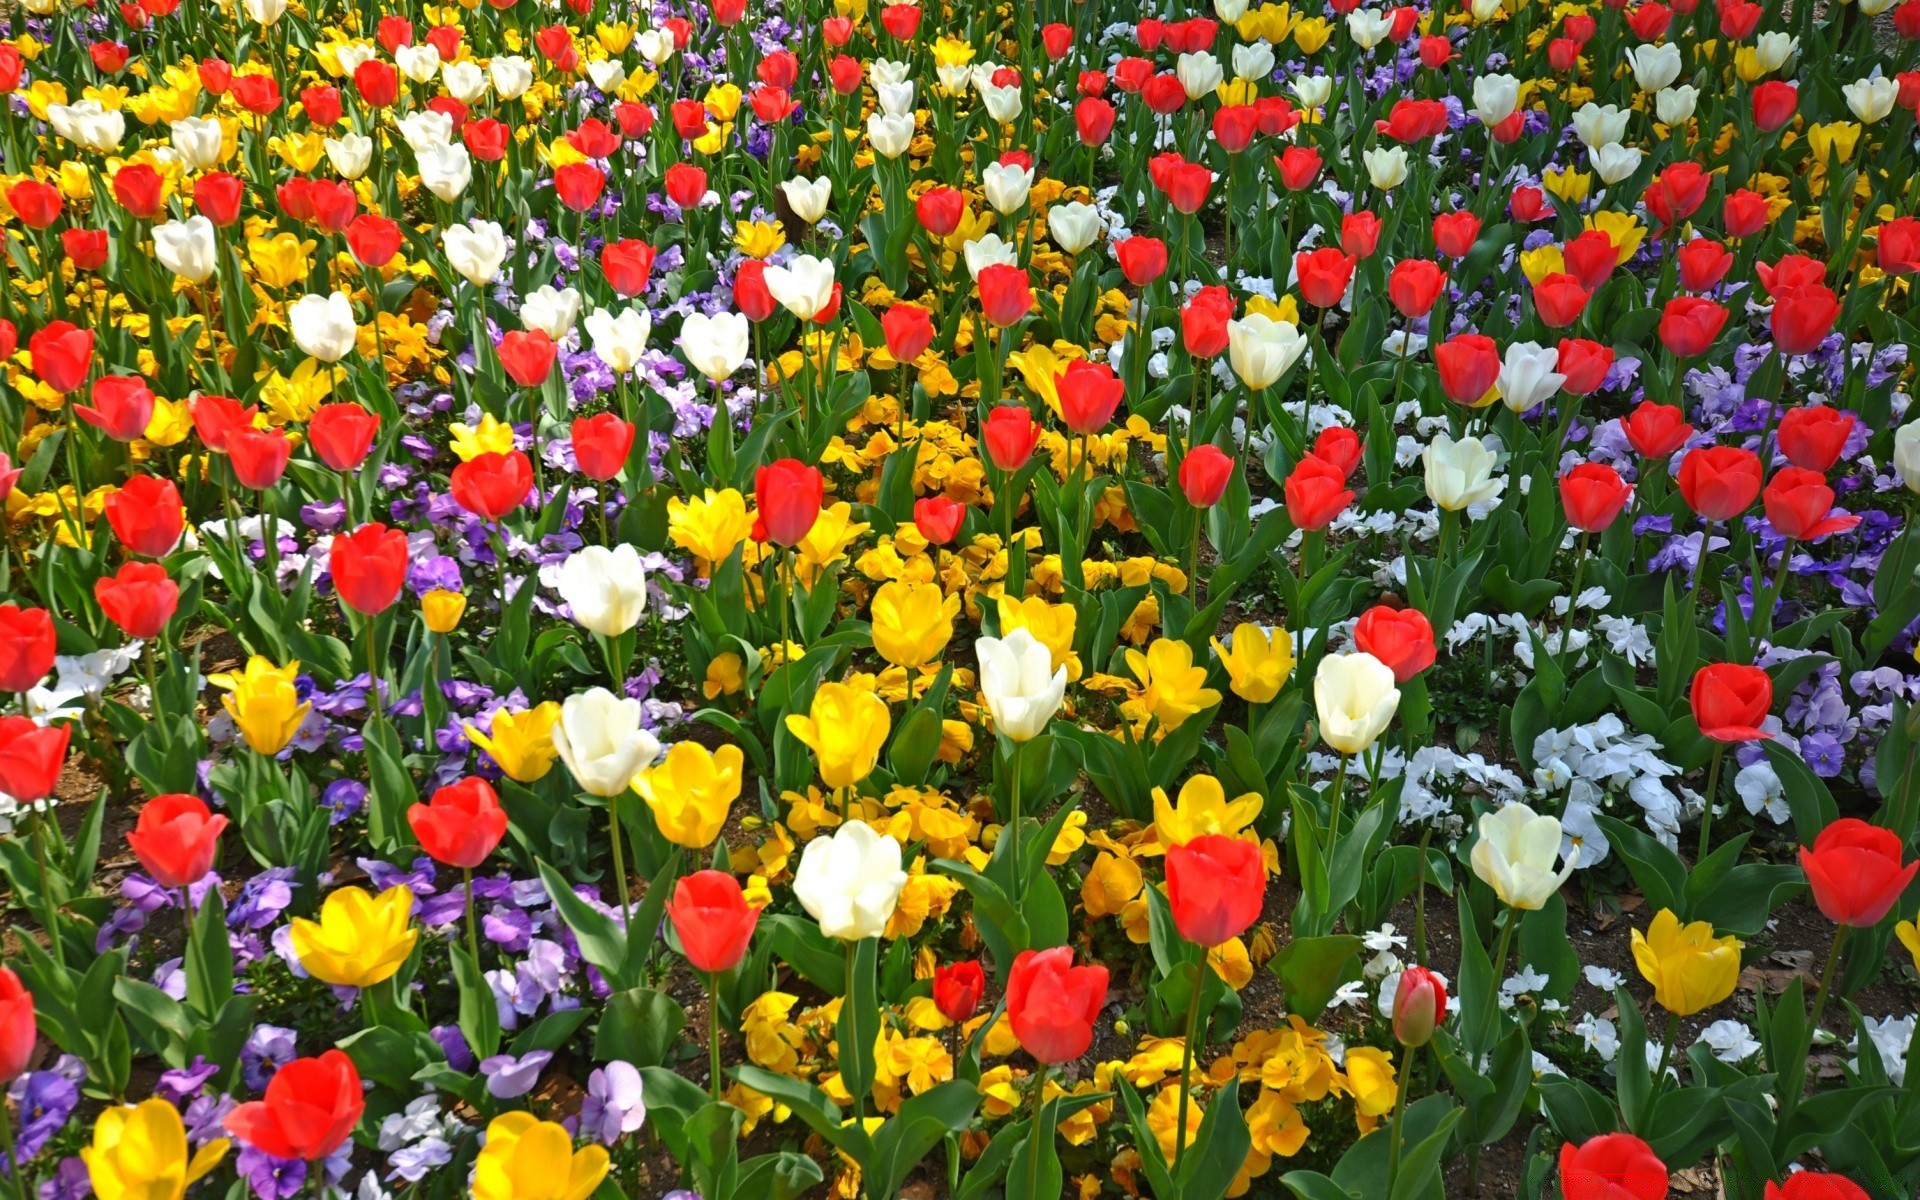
{"points": [[1594, 764], [1436, 776]]}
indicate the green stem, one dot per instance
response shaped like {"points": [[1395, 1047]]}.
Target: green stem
{"points": [[1399, 1111], [1420, 901], [1666, 1053], [1013, 827], [1333, 818], [1186, 1066], [713, 1029], [1033, 1131], [51, 911], [1826, 986], [473, 926], [1713, 791], [619, 857]]}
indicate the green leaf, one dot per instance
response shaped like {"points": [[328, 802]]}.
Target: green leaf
{"points": [[602, 940], [1312, 969], [859, 1025]]}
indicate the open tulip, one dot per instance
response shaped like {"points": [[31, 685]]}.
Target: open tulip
{"points": [[265, 703], [1022, 687], [139, 1152], [1612, 1166], [850, 881], [1690, 969], [360, 939], [845, 728], [1515, 856], [1402, 638], [1460, 474], [462, 825], [310, 1106], [529, 1159], [1855, 872], [1258, 662], [600, 738]]}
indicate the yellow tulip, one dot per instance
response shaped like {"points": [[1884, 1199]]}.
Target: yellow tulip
{"points": [[1312, 34], [1837, 140], [845, 728], [360, 939], [758, 239], [1170, 687], [1689, 968], [1258, 663], [1568, 184], [1050, 624], [264, 703], [1909, 935], [280, 261], [530, 1159], [139, 1152], [912, 622], [521, 743], [1203, 809], [442, 609], [615, 38], [723, 101], [710, 526], [491, 436], [690, 792]]}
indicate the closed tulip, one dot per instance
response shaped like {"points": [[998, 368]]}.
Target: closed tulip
{"points": [[1419, 1006], [1528, 376], [1612, 1166], [1515, 856], [1355, 698], [605, 590], [958, 989], [369, 566], [176, 839], [1593, 495], [1813, 436], [850, 881], [265, 703], [1690, 969], [461, 825], [1216, 887], [475, 250], [360, 939], [1799, 505], [845, 728], [490, 485], [690, 792], [309, 1108], [1204, 475], [712, 919], [529, 1159], [1052, 1005], [1856, 873], [803, 287], [1402, 638], [26, 646], [912, 622], [715, 345], [1090, 393], [1021, 686], [187, 248], [1656, 430], [600, 738], [18, 1028], [1816, 1185], [1469, 365], [122, 407], [1260, 349], [342, 435], [139, 1152], [1720, 482], [323, 326], [787, 496], [1730, 701], [1460, 474], [31, 757]]}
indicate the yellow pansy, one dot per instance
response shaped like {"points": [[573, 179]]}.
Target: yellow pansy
{"points": [[1112, 881], [360, 939], [1371, 1080]]}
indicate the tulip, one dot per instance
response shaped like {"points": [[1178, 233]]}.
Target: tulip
{"points": [[1052, 1005], [527, 356], [1460, 474], [26, 647], [958, 989], [1816, 1185], [360, 939], [1469, 365], [850, 881], [323, 326], [890, 135], [1414, 286], [62, 355], [1316, 492], [1855, 872], [176, 839], [342, 434], [1803, 317], [1690, 324], [187, 248], [122, 407], [1074, 226], [1402, 638], [490, 485], [31, 758], [18, 1028], [264, 703], [712, 919], [804, 287], [309, 1108], [1323, 275], [1011, 434], [140, 599], [475, 250], [529, 1159], [259, 457], [1216, 887], [605, 590], [1813, 436], [1690, 969], [1720, 482], [1617, 1166], [1799, 504], [1515, 856], [1261, 349], [369, 566], [461, 825], [1258, 661], [1355, 698], [1419, 1007], [787, 495], [618, 341], [600, 739], [520, 744], [601, 445], [1204, 475], [845, 728], [550, 311], [912, 622], [1656, 430], [1731, 701], [715, 345], [139, 1152], [1090, 393], [690, 792], [1005, 294], [1593, 495]]}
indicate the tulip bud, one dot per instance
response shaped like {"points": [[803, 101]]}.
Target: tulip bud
{"points": [[1419, 1005]]}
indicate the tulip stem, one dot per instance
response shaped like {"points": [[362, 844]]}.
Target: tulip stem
{"points": [[619, 857], [1420, 901], [1333, 821], [713, 1030], [1033, 1130], [1666, 1053], [473, 926], [51, 912], [1186, 1064], [1573, 602], [8, 1148], [1826, 989], [1501, 947], [1399, 1111], [1706, 811], [1013, 824]]}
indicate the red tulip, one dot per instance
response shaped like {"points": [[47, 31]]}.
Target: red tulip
{"points": [[1612, 1166], [1855, 872], [1419, 1007], [18, 1028], [1528, 204], [1799, 505], [1089, 395], [1745, 213], [1142, 259], [1559, 299], [26, 647], [1656, 430], [1593, 495], [1690, 324], [1298, 166], [1703, 263], [62, 355], [1323, 275], [1203, 321], [216, 417], [527, 355], [1813, 435], [122, 407], [1773, 104], [37, 204], [712, 919], [139, 189], [31, 756], [938, 519], [322, 104], [958, 989], [1677, 192], [486, 139], [902, 21], [1340, 446], [258, 93], [1468, 363], [579, 185], [909, 331], [1720, 482], [1005, 295], [1899, 243], [1820, 1185], [601, 445], [491, 485], [1216, 886], [1730, 701], [1414, 286], [146, 516], [1402, 638], [788, 494], [462, 825], [1204, 475], [310, 1107], [1053, 1004], [334, 205], [1093, 120], [373, 239], [377, 82], [1455, 233], [140, 599], [939, 210], [751, 295], [369, 566], [1803, 317], [342, 434], [1186, 185], [259, 456], [686, 185], [1360, 234], [1591, 258], [1316, 492], [87, 249], [1010, 435], [176, 839]]}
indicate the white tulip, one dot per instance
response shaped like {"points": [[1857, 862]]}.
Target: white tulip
{"points": [[1871, 99], [1002, 103], [1006, 186], [890, 135], [264, 12], [607, 75], [464, 81], [889, 71], [1386, 166], [323, 326], [1515, 856], [1253, 61], [600, 739], [1615, 162], [553, 312], [1261, 349], [618, 341], [808, 197], [1073, 226], [1313, 91], [1654, 66], [986, 250], [475, 250], [896, 99], [198, 141], [1460, 473], [88, 125], [419, 63], [426, 129], [1368, 28], [349, 55], [1355, 697], [1229, 11], [850, 882], [1873, 8], [446, 171], [655, 45], [1906, 454], [1527, 376], [349, 155], [1772, 50], [1599, 124], [1485, 10], [1199, 73], [804, 286], [955, 78], [606, 590], [1022, 687], [1495, 98], [187, 248], [1676, 104], [511, 75], [716, 345]]}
